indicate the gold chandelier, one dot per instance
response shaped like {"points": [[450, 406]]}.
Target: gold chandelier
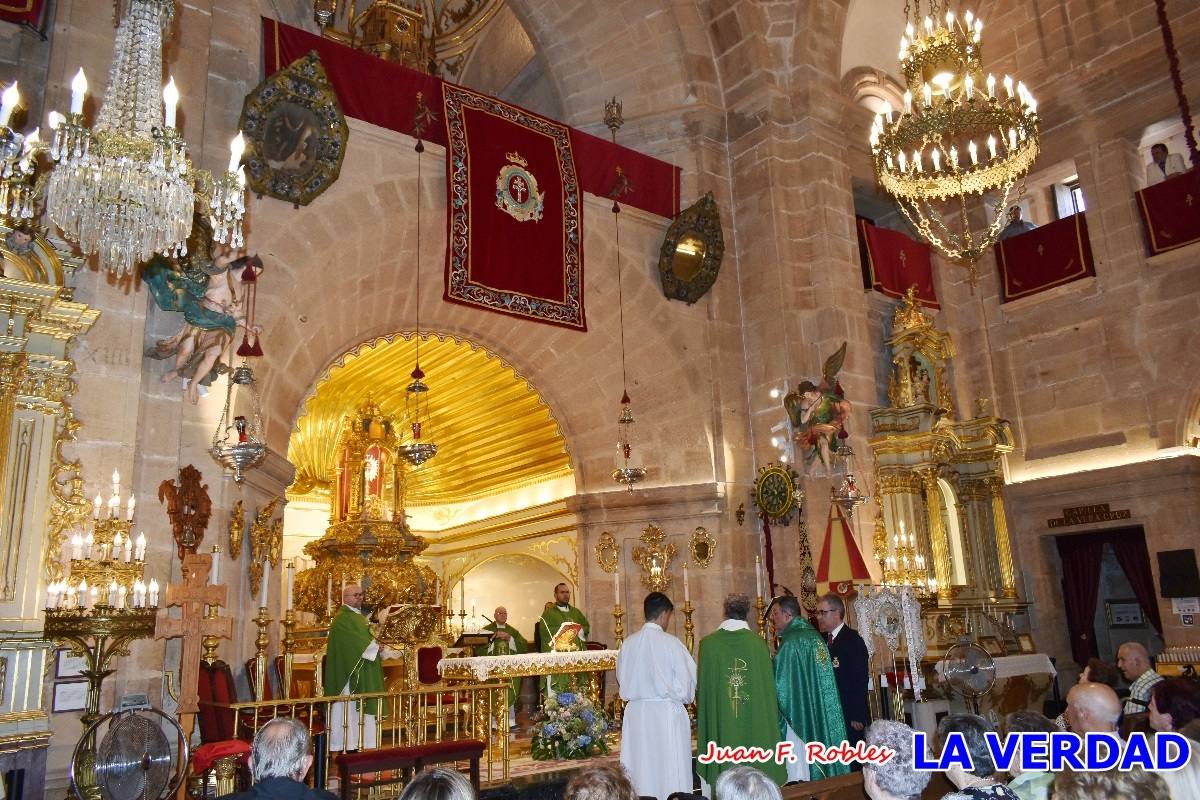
{"points": [[958, 136]]}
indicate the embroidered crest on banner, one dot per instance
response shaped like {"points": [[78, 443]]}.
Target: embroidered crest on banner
{"points": [[517, 190]]}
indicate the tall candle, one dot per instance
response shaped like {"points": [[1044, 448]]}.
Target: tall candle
{"points": [[129, 508], [78, 90], [329, 595], [462, 594], [8, 101], [214, 575], [114, 505], [686, 595], [128, 548], [141, 547], [170, 102], [96, 506], [121, 592], [291, 584], [88, 543], [153, 592], [266, 580], [77, 547], [758, 575], [616, 587], [112, 593], [92, 594]]}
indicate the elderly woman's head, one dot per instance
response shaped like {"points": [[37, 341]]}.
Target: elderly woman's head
{"points": [[974, 730], [439, 783], [898, 778], [1174, 703], [606, 782], [746, 783]]}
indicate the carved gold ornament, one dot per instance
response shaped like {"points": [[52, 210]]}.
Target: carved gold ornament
{"points": [[655, 559], [703, 546], [607, 552], [266, 539], [237, 530]]}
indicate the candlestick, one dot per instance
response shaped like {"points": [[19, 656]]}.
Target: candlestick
{"points": [[89, 542], [260, 645], [112, 593], [78, 90], [616, 586], [121, 592], [689, 628], [128, 548], [760, 607], [92, 597], [291, 584], [289, 645], [462, 594], [266, 576]]}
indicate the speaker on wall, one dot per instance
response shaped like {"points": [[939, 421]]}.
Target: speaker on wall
{"points": [[1177, 574]]}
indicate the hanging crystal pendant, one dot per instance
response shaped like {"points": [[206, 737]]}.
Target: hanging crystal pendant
{"points": [[238, 443], [625, 473], [416, 407]]}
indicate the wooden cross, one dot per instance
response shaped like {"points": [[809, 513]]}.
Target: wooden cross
{"points": [[192, 595]]}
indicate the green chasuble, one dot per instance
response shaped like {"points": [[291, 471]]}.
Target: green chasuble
{"points": [[349, 636], [499, 647], [808, 695], [736, 704], [552, 618]]}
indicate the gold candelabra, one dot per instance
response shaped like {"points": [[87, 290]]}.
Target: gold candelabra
{"points": [[289, 646], [689, 627], [618, 705], [760, 607], [260, 651]]}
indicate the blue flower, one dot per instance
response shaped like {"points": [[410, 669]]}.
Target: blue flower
{"points": [[588, 716], [550, 730], [584, 741], [566, 698]]}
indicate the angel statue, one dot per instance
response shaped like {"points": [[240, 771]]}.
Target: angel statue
{"points": [[208, 286], [818, 413]]}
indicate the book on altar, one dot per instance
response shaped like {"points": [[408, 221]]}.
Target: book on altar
{"points": [[566, 638]]}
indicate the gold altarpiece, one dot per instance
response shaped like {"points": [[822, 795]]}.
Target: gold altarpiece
{"points": [[41, 491], [940, 482]]}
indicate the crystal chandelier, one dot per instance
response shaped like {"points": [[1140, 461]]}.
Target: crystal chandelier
{"points": [[18, 162], [626, 471], [417, 451], [904, 565], [126, 190], [958, 136], [238, 443]]}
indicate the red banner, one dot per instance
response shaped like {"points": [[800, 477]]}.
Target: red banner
{"points": [[514, 211], [22, 12], [841, 561], [894, 262], [1171, 212], [1045, 257], [385, 94]]}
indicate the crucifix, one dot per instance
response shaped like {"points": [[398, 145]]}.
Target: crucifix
{"points": [[192, 594]]}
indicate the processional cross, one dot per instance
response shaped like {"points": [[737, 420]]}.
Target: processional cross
{"points": [[192, 595]]}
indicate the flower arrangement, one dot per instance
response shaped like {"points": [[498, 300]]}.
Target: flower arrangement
{"points": [[569, 726]]}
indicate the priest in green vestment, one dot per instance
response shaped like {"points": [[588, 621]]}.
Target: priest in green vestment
{"points": [[353, 665], [551, 620], [506, 640], [809, 704], [736, 705]]}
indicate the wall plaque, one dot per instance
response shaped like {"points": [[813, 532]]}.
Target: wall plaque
{"points": [[1083, 515]]}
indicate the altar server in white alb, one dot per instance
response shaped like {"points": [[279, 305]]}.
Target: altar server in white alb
{"points": [[658, 678]]}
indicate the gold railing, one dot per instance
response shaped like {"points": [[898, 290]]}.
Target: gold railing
{"points": [[403, 719]]}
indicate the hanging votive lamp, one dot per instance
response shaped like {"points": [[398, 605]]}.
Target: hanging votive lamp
{"points": [[238, 443]]}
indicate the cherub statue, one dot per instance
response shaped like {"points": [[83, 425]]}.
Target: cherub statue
{"points": [[208, 286], [818, 413]]}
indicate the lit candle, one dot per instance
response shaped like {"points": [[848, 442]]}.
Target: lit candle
{"points": [[917, 161], [991, 86], [758, 575], [92, 596], [55, 119], [1012, 139], [291, 584], [936, 157], [116, 483], [50, 595], [969, 86], [114, 505], [953, 157], [903, 161], [78, 90], [153, 593], [121, 592], [129, 507], [991, 146], [70, 599], [907, 101], [8, 101], [974, 151], [96, 507], [949, 19], [266, 581], [88, 543], [902, 529], [928, 25], [128, 549], [1021, 90], [927, 94], [686, 595], [236, 148], [329, 595], [214, 575], [170, 101], [141, 547], [112, 593], [77, 547], [116, 544], [978, 28], [1008, 86], [887, 111], [968, 16]]}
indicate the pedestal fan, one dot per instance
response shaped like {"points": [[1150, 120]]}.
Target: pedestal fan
{"points": [[970, 672], [132, 760]]}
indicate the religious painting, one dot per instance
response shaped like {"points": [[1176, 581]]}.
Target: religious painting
{"points": [[818, 413], [1025, 643], [295, 133]]}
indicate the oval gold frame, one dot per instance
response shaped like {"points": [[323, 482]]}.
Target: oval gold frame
{"points": [[607, 552], [703, 546]]}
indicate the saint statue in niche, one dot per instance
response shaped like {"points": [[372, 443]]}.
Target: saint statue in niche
{"points": [[818, 413]]}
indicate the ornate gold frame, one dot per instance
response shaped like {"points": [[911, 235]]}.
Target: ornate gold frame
{"points": [[655, 559], [702, 545], [694, 235], [608, 554]]}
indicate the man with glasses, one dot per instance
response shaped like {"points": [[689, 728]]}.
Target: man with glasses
{"points": [[850, 668]]}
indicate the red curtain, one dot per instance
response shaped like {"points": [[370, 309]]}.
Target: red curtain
{"points": [[893, 262], [1171, 212], [1130, 546], [1045, 257], [22, 12], [1081, 557]]}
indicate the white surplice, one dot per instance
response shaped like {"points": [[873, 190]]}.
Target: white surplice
{"points": [[658, 677]]}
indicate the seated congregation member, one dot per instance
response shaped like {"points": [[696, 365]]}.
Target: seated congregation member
{"points": [[1034, 784], [897, 778], [1113, 784], [1175, 704], [1134, 662], [439, 783], [658, 678], [736, 704], [607, 782], [1093, 708], [746, 783], [1096, 671], [980, 783], [808, 698], [279, 759]]}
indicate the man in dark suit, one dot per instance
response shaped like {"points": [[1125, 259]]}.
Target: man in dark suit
{"points": [[850, 667]]}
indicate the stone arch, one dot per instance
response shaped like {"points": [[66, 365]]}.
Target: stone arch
{"points": [[870, 87]]}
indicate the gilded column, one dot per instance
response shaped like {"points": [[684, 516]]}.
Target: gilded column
{"points": [[1008, 583], [938, 542]]}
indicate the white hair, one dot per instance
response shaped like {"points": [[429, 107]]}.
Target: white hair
{"points": [[746, 783], [899, 776], [279, 749]]}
